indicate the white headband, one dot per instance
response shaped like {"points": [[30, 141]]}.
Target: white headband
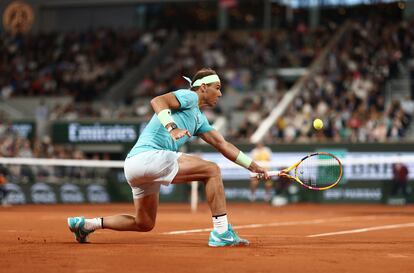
{"points": [[207, 80]]}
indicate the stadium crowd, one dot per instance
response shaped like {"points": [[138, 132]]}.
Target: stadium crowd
{"points": [[79, 64], [240, 57]]}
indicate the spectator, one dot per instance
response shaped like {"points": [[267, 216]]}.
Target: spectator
{"points": [[3, 182], [42, 116], [400, 179]]}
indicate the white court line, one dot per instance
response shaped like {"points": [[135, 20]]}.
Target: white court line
{"points": [[362, 230], [278, 224]]}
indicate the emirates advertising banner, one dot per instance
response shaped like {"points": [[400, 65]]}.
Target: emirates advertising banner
{"points": [[95, 132]]}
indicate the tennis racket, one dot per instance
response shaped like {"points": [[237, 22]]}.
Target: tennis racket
{"points": [[317, 171]]}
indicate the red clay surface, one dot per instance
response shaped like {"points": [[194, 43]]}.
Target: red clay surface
{"points": [[36, 239]]}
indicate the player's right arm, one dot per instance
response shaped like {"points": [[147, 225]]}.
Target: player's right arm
{"points": [[215, 139], [162, 106], [166, 101]]}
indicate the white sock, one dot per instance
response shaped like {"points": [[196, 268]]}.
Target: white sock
{"points": [[93, 224], [220, 223]]}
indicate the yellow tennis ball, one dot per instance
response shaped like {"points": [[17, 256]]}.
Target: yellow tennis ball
{"points": [[318, 124]]}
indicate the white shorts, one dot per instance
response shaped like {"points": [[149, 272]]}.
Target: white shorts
{"points": [[145, 172]]}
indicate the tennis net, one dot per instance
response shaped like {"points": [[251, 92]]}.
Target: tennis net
{"points": [[77, 181]]}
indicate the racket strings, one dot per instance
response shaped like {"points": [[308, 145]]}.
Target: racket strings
{"points": [[319, 171]]}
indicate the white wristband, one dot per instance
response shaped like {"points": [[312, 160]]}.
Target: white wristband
{"points": [[165, 117], [243, 160]]}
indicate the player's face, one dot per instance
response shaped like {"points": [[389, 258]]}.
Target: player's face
{"points": [[213, 93]]}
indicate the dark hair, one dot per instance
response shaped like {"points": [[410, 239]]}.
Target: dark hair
{"points": [[201, 74]]}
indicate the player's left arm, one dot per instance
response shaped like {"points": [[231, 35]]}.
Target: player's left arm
{"points": [[231, 152]]}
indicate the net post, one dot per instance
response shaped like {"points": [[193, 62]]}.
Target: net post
{"points": [[194, 196]]}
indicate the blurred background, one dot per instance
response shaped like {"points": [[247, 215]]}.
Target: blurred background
{"points": [[76, 78]]}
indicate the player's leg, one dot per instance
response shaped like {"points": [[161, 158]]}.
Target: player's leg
{"points": [[193, 168], [146, 198], [145, 191], [144, 219]]}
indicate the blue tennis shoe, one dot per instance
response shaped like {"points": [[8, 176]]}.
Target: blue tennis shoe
{"points": [[228, 238], [77, 226]]}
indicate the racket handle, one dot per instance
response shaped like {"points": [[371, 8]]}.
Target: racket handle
{"points": [[271, 173]]}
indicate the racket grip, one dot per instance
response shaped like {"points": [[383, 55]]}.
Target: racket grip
{"points": [[271, 173]]}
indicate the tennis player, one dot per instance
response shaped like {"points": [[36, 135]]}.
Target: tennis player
{"points": [[154, 160]]}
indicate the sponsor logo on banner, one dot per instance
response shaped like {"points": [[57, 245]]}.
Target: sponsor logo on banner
{"points": [[370, 171], [23, 130], [101, 133], [43, 194], [97, 194], [354, 194], [243, 193], [70, 193], [15, 194]]}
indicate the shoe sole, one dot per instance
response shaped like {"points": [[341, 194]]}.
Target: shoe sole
{"points": [[78, 238], [232, 245]]}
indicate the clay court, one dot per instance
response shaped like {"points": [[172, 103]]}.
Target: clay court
{"points": [[295, 238]]}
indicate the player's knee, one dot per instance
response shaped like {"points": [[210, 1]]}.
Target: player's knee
{"points": [[214, 169], [144, 226]]}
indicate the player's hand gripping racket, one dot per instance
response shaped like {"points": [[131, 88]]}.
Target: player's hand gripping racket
{"points": [[317, 171]]}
